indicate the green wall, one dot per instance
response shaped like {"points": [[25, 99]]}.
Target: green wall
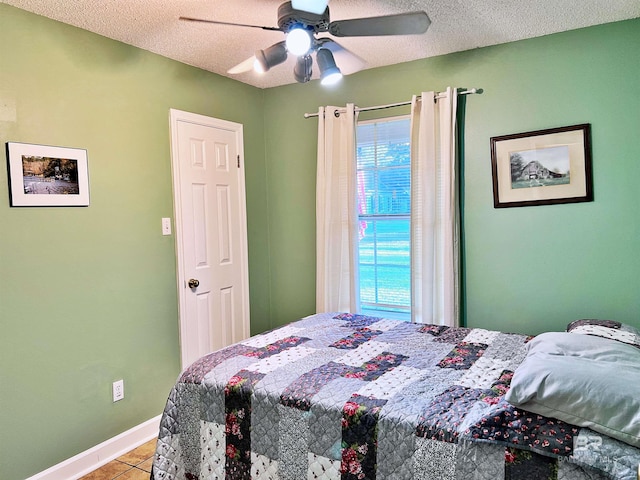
{"points": [[88, 294], [526, 269]]}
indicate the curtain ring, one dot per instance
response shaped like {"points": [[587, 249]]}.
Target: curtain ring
{"points": [[336, 113]]}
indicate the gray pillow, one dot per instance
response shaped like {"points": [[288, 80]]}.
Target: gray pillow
{"points": [[584, 380]]}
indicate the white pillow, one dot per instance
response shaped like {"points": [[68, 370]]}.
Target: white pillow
{"points": [[584, 380]]}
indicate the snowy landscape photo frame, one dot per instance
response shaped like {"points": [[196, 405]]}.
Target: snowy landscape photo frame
{"points": [[47, 176], [542, 167]]}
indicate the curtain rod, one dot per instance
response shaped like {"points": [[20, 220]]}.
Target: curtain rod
{"points": [[401, 104]]}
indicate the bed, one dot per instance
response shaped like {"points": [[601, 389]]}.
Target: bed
{"points": [[345, 396]]}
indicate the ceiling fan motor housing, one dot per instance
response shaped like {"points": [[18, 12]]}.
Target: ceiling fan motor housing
{"points": [[288, 18]]}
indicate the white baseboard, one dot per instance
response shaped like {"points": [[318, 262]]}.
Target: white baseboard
{"points": [[89, 460]]}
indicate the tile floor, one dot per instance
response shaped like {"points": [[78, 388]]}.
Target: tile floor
{"points": [[135, 465]]}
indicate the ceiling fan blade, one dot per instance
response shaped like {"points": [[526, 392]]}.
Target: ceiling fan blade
{"points": [[347, 61], [243, 67], [203, 20], [400, 24], [313, 6]]}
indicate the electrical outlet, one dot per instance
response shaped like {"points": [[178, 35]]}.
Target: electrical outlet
{"points": [[118, 390]]}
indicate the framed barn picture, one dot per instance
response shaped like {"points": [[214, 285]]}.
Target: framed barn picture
{"points": [[542, 167]]}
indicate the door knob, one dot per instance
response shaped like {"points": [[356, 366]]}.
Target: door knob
{"points": [[193, 283]]}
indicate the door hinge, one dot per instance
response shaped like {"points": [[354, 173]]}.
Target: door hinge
{"points": [[238, 161]]}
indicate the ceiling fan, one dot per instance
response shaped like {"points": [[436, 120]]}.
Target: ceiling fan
{"points": [[302, 20]]}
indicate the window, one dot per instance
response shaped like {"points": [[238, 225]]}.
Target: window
{"points": [[384, 207]]}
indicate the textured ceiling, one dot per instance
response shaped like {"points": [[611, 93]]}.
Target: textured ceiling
{"points": [[457, 25]]}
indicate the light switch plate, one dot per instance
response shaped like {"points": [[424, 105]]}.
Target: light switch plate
{"points": [[166, 226]]}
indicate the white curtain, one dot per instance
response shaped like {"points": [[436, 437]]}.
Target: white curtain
{"points": [[434, 210], [336, 211]]}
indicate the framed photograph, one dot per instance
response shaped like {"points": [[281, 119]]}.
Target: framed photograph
{"points": [[543, 167], [41, 175]]}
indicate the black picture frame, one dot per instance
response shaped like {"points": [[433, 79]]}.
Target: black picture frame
{"points": [[542, 167]]}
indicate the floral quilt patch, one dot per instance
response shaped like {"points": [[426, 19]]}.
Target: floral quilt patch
{"points": [[360, 437], [357, 338], [498, 389], [463, 356], [238, 422], [276, 347], [376, 367], [513, 426], [435, 330], [452, 335]]}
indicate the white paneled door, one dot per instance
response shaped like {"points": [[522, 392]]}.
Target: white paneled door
{"points": [[211, 233]]}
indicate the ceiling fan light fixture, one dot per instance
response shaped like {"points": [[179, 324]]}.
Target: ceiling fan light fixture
{"points": [[270, 57], [257, 66], [314, 6], [302, 71], [298, 41], [330, 74]]}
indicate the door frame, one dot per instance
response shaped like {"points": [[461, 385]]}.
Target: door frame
{"points": [[176, 116]]}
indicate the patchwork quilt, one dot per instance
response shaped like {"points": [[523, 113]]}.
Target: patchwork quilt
{"points": [[343, 396]]}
